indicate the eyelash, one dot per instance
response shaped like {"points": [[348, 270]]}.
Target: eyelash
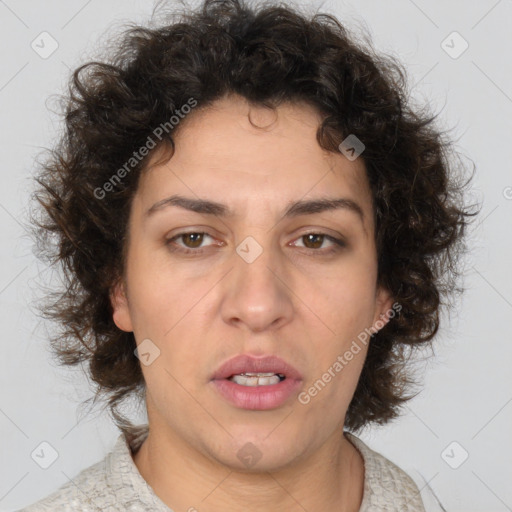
{"points": [[339, 244]]}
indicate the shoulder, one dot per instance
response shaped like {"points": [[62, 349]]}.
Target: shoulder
{"points": [[85, 492], [104, 486], [386, 486]]}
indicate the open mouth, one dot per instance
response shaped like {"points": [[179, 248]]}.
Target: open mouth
{"points": [[257, 379], [259, 391], [257, 383]]}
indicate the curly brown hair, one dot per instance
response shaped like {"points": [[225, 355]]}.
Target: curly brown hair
{"points": [[268, 54]]}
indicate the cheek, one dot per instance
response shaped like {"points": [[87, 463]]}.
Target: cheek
{"points": [[347, 301], [158, 296], [157, 311]]}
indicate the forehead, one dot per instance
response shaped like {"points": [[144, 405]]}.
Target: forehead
{"points": [[251, 156]]}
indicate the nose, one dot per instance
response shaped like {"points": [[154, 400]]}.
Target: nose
{"points": [[257, 295]]}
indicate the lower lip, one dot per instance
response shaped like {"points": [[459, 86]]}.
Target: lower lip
{"points": [[259, 398]]}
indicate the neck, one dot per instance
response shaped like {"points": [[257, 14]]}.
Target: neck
{"points": [[331, 479]]}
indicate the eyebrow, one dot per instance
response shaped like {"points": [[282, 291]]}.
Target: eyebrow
{"points": [[294, 209]]}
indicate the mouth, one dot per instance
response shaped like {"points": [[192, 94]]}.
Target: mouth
{"points": [[257, 379], [256, 383], [250, 367]]}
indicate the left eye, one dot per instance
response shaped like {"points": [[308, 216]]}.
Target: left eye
{"points": [[193, 240], [317, 239]]}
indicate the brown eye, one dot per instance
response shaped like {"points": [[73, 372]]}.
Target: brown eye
{"points": [[314, 241], [191, 242]]}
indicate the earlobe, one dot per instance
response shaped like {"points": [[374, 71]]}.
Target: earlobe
{"points": [[120, 310], [384, 309]]}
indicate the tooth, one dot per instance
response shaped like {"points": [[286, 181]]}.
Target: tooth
{"points": [[258, 374], [255, 381]]}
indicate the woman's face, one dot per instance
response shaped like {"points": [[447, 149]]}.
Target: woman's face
{"points": [[258, 282]]}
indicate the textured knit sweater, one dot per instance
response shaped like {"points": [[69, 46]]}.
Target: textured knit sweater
{"points": [[114, 484]]}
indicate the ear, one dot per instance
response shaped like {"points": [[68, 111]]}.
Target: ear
{"points": [[121, 312], [383, 308]]}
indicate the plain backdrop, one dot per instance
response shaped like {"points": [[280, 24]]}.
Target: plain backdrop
{"points": [[453, 435]]}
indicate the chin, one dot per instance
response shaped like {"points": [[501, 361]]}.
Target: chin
{"points": [[258, 453]]}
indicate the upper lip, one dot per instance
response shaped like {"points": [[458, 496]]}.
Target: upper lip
{"points": [[245, 363]]}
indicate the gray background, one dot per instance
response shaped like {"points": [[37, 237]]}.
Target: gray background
{"points": [[467, 387]]}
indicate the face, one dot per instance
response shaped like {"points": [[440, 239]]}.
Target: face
{"points": [[252, 280]]}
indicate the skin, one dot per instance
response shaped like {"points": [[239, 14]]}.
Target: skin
{"points": [[200, 310]]}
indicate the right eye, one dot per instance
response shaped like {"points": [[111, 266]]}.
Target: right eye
{"points": [[191, 241]]}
